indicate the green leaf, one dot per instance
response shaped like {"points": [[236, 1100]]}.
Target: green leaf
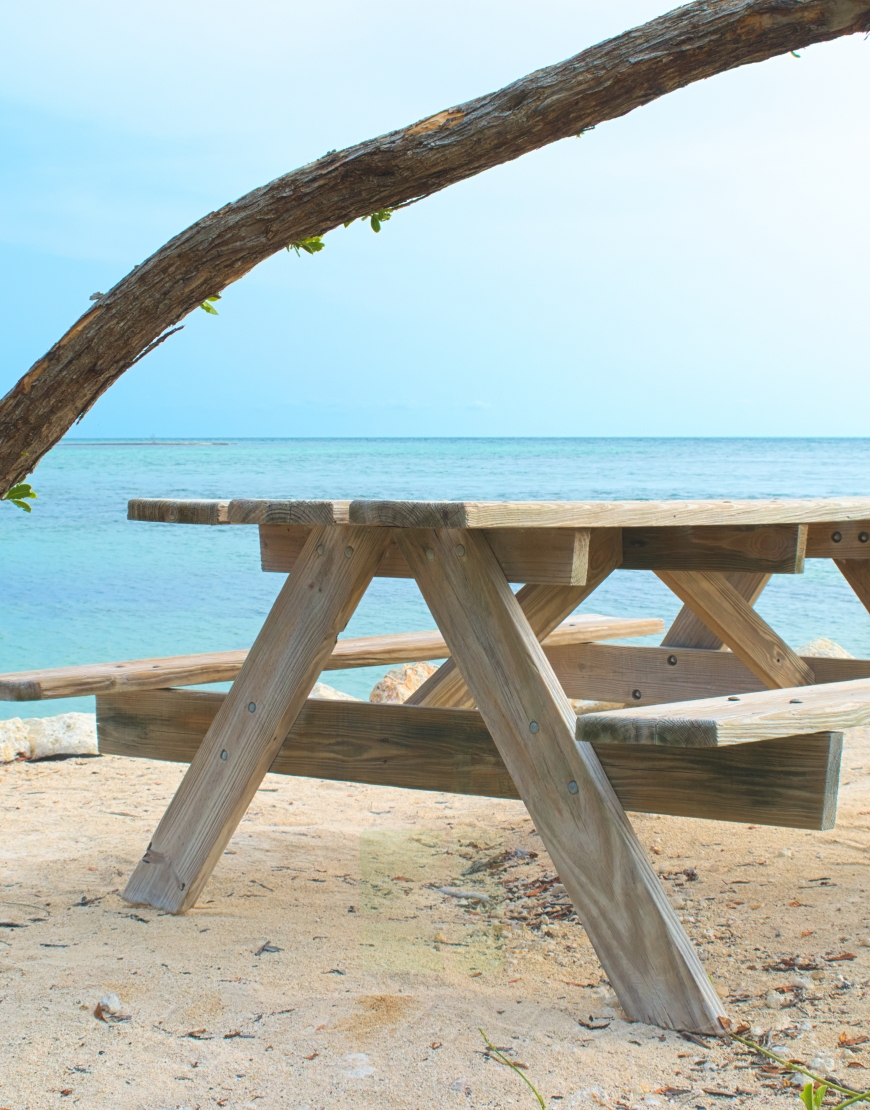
{"points": [[311, 245], [808, 1096], [376, 223], [206, 307], [23, 489], [20, 504]]}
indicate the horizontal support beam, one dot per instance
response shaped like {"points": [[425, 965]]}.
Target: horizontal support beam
{"points": [[736, 719], [652, 675], [842, 539], [767, 549], [543, 556], [790, 782], [224, 666]]}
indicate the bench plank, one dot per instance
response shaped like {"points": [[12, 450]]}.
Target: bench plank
{"points": [[789, 782], [839, 539], [652, 675], [709, 722], [224, 666]]}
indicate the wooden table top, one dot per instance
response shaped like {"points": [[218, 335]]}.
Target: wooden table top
{"points": [[503, 514]]}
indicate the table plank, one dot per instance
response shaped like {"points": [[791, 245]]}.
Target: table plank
{"points": [[839, 539], [789, 782], [636, 934], [603, 514], [735, 719], [297, 638], [732, 618]]}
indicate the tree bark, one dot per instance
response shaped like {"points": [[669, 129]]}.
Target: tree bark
{"points": [[604, 82]]}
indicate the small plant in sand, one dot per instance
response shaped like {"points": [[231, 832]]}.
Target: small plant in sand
{"points": [[497, 1054], [813, 1093]]}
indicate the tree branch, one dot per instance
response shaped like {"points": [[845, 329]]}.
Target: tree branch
{"points": [[604, 82]]}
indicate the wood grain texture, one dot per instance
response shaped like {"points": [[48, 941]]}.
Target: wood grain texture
{"points": [[259, 511], [840, 539], [733, 619], [297, 638], [603, 514], [544, 607], [554, 556], [710, 722], [689, 631], [641, 944], [857, 574], [224, 666], [690, 44], [765, 548], [790, 782], [652, 675], [167, 511]]}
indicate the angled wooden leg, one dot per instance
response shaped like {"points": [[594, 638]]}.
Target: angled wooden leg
{"points": [[857, 574], [731, 617], [647, 956], [545, 607], [689, 631], [319, 597]]}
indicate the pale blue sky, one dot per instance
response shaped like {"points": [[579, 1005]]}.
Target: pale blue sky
{"points": [[698, 267]]}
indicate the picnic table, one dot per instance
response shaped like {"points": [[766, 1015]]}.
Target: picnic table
{"points": [[722, 720]]}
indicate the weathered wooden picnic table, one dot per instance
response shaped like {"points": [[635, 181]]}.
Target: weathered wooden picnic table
{"points": [[753, 733]]}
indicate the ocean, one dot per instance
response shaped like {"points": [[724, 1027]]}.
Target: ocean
{"points": [[81, 584]]}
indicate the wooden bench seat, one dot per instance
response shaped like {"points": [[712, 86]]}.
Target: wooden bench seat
{"points": [[734, 719], [789, 781], [224, 666]]}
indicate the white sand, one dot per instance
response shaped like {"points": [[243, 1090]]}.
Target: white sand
{"points": [[380, 982]]}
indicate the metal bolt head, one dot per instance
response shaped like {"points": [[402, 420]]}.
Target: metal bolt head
{"points": [[672, 660], [733, 697], [430, 554], [252, 707], [636, 694], [224, 755], [573, 788], [460, 550], [836, 536], [863, 537], [320, 549], [348, 551], [533, 726]]}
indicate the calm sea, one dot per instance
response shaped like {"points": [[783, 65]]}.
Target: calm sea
{"points": [[81, 584]]}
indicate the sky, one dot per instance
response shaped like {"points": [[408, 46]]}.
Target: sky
{"points": [[698, 267]]}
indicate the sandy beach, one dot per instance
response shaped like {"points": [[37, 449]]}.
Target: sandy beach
{"points": [[354, 940]]}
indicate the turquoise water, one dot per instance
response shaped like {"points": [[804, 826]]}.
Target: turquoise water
{"points": [[81, 584]]}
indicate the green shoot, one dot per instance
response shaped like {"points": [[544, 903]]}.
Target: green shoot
{"points": [[811, 1095], [17, 494], [795, 54], [502, 1059], [311, 245], [374, 218], [208, 304]]}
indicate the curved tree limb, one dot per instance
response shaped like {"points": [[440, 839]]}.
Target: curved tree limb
{"points": [[606, 81]]}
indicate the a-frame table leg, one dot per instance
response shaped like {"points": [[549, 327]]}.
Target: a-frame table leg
{"points": [[647, 956], [545, 607], [313, 607]]}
